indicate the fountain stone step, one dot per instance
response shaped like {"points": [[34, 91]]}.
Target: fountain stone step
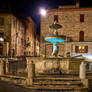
{"points": [[58, 83], [57, 78], [61, 88]]}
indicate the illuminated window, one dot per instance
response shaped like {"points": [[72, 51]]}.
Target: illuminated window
{"points": [[55, 18], [81, 17], [81, 49]]}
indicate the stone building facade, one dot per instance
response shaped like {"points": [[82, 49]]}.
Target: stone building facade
{"points": [[32, 39], [12, 31], [37, 42], [76, 26], [18, 38]]}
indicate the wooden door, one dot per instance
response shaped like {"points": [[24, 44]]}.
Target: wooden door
{"points": [[81, 36]]}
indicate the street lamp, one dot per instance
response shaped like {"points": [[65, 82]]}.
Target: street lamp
{"points": [[43, 12]]}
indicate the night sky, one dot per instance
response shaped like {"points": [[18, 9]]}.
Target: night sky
{"points": [[31, 7]]}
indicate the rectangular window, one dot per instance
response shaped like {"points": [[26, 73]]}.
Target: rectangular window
{"points": [[56, 18], [1, 21], [76, 49], [81, 17], [81, 49]]}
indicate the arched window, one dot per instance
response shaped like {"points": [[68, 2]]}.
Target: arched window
{"points": [[81, 36]]}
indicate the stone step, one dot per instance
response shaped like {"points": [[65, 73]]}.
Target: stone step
{"points": [[57, 78], [50, 73], [49, 87], [57, 73], [57, 83]]}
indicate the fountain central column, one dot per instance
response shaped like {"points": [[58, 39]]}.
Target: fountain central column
{"points": [[55, 49], [55, 38]]}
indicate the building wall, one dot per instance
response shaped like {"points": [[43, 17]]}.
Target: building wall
{"points": [[12, 44], [17, 37], [5, 30], [70, 20], [30, 37], [37, 43]]}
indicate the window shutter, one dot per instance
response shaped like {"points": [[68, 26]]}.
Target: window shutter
{"points": [[56, 18], [76, 49], [86, 49], [81, 17], [81, 36]]}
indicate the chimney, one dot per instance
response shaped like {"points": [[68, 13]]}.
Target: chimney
{"points": [[77, 4]]}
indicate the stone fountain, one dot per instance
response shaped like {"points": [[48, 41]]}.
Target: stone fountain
{"points": [[55, 38], [55, 63]]}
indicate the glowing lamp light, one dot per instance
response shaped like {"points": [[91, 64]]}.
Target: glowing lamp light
{"points": [[43, 12], [1, 39], [88, 56]]}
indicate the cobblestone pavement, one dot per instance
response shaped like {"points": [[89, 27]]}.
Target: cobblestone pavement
{"points": [[8, 87]]}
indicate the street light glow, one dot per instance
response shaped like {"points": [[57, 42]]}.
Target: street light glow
{"points": [[43, 12], [1, 39], [88, 56]]}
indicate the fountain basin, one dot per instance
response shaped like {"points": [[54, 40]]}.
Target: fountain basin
{"points": [[55, 39], [55, 26]]}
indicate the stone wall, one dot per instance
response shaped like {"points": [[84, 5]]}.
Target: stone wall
{"points": [[5, 30], [70, 47], [14, 79], [44, 65], [70, 20], [46, 49], [30, 37], [17, 37], [70, 65], [14, 33], [51, 65]]}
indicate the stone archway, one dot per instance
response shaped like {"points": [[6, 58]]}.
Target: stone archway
{"points": [[1, 49]]}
